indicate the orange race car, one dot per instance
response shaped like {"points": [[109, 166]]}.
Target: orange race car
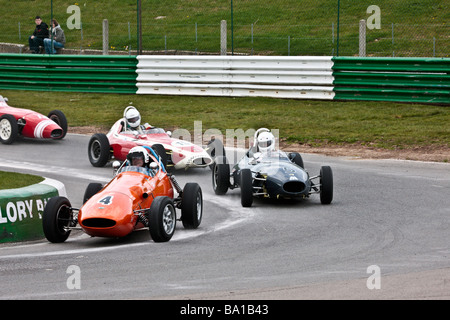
{"points": [[140, 195]]}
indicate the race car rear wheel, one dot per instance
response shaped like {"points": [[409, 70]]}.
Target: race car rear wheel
{"points": [[221, 175], [162, 219], [57, 216], [92, 189], [326, 185], [161, 151], [215, 149], [9, 130], [297, 159], [246, 184], [191, 206], [99, 150], [59, 118]]}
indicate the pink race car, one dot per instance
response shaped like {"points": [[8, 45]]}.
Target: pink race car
{"points": [[15, 122], [174, 153]]}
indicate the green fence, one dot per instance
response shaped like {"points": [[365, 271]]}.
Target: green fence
{"points": [[401, 28], [392, 79], [81, 73]]}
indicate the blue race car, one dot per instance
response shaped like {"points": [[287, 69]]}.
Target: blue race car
{"points": [[269, 173]]}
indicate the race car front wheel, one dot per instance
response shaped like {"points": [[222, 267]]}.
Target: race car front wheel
{"points": [[221, 175], [162, 219], [191, 206], [9, 130], [56, 218], [59, 118], [246, 184], [326, 185], [99, 150]]}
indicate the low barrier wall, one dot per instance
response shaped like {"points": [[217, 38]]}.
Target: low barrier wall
{"points": [[78, 73], [262, 76], [392, 79], [21, 210], [421, 80]]}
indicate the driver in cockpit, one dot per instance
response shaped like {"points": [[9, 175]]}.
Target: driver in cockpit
{"points": [[139, 158], [132, 119], [265, 144]]}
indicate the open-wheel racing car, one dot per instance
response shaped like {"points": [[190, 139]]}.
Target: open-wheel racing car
{"points": [[15, 122], [175, 153], [268, 173], [137, 197]]}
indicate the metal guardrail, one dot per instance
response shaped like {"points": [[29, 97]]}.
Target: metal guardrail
{"points": [[422, 80], [109, 74], [263, 76]]}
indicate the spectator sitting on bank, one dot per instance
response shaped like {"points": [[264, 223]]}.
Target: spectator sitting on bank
{"points": [[36, 40], [59, 39]]}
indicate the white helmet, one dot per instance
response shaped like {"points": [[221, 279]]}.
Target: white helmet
{"points": [[265, 142], [132, 116], [138, 153]]}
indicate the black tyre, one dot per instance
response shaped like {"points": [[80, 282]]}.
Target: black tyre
{"points": [[59, 118], [92, 189], [215, 149], [246, 184], [161, 151], [191, 206], [57, 216], [9, 130], [326, 185], [99, 150], [162, 219], [297, 159], [221, 175]]}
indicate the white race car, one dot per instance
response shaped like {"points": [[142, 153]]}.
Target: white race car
{"points": [[175, 153]]}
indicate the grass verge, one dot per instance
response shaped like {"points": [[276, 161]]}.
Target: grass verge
{"points": [[14, 180]]}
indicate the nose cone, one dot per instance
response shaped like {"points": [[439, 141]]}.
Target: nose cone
{"points": [[41, 128], [48, 129], [107, 215], [187, 159], [294, 187], [288, 181]]}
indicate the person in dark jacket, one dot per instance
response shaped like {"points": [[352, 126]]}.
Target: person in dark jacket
{"points": [[36, 40]]}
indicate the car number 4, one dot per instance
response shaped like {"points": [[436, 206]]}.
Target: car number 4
{"points": [[106, 200]]}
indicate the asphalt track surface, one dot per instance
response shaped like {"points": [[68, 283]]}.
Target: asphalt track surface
{"points": [[386, 214]]}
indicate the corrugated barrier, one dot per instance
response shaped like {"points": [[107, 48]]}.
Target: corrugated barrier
{"points": [[421, 80], [300, 77], [79, 73], [21, 210], [392, 79]]}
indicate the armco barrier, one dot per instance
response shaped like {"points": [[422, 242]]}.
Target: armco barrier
{"points": [[261, 76], [21, 210], [79, 73], [392, 79], [421, 80]]}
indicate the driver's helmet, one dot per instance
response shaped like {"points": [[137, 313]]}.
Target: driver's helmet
{"points": [[132, 117], [138, 156], [265, 142]]}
